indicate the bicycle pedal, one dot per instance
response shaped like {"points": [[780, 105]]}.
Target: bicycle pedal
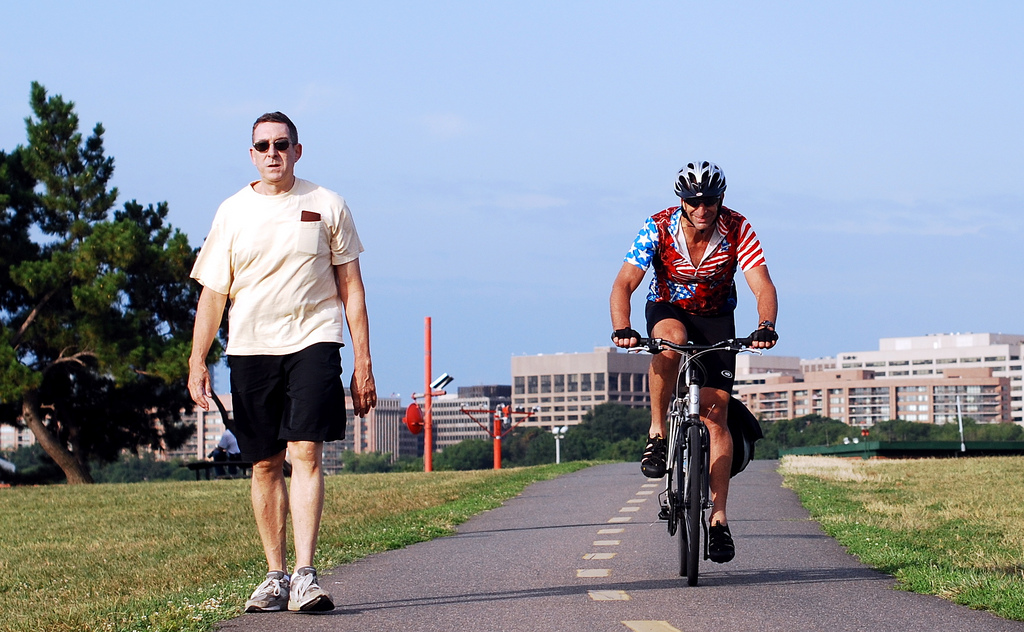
{"points": [[663, 514]]}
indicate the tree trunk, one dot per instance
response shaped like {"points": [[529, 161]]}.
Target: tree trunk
{"points": [[31, 412]]}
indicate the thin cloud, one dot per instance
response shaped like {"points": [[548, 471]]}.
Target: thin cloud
{"points": [[445, 126], [950, 218]]}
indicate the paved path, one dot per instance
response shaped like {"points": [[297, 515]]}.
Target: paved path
{"points": [[586, 552]]}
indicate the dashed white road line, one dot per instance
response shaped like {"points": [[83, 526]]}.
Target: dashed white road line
{"points": [[650, 626], [593, 572], [598, 556]]}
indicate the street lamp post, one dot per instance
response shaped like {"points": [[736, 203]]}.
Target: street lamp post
{"points": [[559, 435]]}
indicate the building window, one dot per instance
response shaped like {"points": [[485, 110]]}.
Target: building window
{"points": [[599, 381], [545, 384], [613, 381], [559, 383], [638, 382], [574, 384], [520, 385], [585, 382], [531, 384]]}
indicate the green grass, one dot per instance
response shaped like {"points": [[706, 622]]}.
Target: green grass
{"points": [[185, 555], [950, 527]]}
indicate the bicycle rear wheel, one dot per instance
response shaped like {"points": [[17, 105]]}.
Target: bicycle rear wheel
{"points": [[689, 542]]}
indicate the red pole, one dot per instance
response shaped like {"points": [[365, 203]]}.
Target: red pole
{"points": [[428, 426], [497, 441]]}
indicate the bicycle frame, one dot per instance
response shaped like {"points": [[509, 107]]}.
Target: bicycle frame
{"points": [[683, 413]]}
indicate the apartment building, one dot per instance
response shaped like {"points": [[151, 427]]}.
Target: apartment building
{"points": [[938, 354], [562, 387], [12, 438], [757, 369], [859, 398]]}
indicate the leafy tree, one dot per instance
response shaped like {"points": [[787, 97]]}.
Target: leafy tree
{"points": [[609, 431], [815, 430], [131, 468], [35, 467], [365, 463], [900, 430], [528, 446], [97, 315], [471, 454], [801, 431]]}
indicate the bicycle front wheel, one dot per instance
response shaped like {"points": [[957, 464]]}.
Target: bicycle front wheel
{"points": [[689, 543]]}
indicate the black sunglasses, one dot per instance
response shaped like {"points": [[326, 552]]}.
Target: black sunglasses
{"points": [[263, 146], [708, 202]]}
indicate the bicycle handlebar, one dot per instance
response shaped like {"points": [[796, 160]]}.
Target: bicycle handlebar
{"points": [[655, 345]]}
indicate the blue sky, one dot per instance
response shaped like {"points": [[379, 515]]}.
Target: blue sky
{"points": [[499, 157]]}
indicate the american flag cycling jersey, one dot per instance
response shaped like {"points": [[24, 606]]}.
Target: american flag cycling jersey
{"points": [[708, 288]]}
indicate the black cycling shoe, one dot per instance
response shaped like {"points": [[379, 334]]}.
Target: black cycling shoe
{"points": [[720, 546], [653, 462]]}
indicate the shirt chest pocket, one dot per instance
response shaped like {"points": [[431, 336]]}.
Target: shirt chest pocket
{"points": [[308, 242]]}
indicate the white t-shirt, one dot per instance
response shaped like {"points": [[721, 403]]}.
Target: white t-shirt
{"points": [[274, 257]]}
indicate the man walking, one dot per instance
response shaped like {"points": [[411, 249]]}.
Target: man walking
{"points": [[285, 252]]}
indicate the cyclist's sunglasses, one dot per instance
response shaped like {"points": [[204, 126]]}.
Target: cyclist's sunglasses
{"points": [[708, 202], [263, 146]]}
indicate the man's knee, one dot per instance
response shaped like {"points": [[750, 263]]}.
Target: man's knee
{"points": [[306, 455], [270, 466]]}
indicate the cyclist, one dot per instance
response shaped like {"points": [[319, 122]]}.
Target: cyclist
{"points": [[695, 249]]}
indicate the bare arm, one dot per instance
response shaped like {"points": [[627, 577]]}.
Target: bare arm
{"points": [[353, 297], [208, 316], [626, 282], [767, 298]]}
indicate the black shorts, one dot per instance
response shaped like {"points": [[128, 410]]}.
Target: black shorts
{"points": [[295, 397], [718, 367]]}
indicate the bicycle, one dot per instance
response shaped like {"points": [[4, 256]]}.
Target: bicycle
{"points": [[687, 493]]}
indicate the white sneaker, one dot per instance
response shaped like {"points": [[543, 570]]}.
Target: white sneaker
{"points": [[306, 595], [271, 595]]}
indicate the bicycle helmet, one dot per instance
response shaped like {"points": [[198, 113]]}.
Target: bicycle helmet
{"points": [[700, 179]]}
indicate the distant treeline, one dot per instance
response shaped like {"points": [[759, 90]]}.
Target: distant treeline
{"points": [[815, 430], [611, 432]]}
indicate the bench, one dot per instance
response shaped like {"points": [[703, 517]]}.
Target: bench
{"points": [[205, 466]]}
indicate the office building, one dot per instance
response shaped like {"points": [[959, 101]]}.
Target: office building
{"points": [[562, 387]]}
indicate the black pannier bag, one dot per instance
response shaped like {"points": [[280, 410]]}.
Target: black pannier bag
{"points": [[745, 431]]}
